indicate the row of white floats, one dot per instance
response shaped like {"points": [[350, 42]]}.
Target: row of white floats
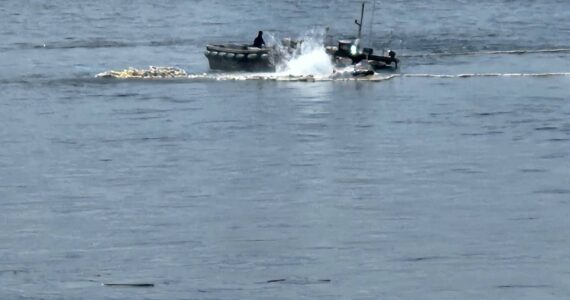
{"points": [[230, 55]]}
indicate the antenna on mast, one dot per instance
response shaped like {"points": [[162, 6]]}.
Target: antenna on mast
{"points": [[360, 24]]}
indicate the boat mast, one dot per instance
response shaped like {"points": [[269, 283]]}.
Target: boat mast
{"points": [[360, 24]]}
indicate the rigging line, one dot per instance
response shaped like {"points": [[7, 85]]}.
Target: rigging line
{"points": [[371, 22]]}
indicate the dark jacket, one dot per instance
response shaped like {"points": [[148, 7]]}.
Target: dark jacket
{"points": [[258, 42]]}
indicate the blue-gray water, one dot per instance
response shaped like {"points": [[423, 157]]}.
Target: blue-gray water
{"points": [[418, 187]]}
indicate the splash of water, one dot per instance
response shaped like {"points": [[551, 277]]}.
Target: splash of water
{"points": [[309, 59]]}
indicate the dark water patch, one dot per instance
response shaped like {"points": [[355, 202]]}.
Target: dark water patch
{"points": [[246, 127], [490, 114], [13, 142], [524, 219], [144, 118], [142, 111], [310, 126], [466, 171], [556, 155], [557, 140], [49, 81], [424, 258], [288, 261], [280, 226], [546, 128], [13, 272], [181, 100], [488, 133], [85, 80], [302, 165], [216, 122], [523, 121], [152, 244], [17, 186], [121, 95], [175, 42], [552, 191], [309, 137], [136, 285], [547, 98], [359, 181], [417, 121], [64, 141], [533, 170], [97, 43], [46, 113], [145, 81], [318, 248], [142, 139], [216, 290], [474, 255], [524, 286], [88, 44], [362, 208], [258, 240], [299, 281]]}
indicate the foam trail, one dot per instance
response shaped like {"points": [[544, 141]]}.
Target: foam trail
{"points": [[285, 76], [150, 73]]}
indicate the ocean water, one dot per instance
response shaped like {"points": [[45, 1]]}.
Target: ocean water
{"points": [[447, 179]]}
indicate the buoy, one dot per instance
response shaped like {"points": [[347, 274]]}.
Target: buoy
{"points": [[240, 56], [264, 56], [207, 53], [213, 53], [252, 56]]}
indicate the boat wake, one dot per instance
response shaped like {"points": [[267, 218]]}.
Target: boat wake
{"points": [[495, 52], [295, 73], [470, 75]]}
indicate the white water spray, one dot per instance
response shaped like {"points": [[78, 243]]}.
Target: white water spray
{"points": [[309, 59]]}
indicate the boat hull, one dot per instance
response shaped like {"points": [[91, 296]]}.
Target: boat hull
{"points": [[243, 58]]}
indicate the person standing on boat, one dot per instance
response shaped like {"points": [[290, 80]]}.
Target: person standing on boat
{"points": [[259, 42]]}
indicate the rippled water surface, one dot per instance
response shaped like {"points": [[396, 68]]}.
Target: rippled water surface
{"points": [[448, 179]]}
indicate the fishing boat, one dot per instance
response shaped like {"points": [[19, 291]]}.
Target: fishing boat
{"points": [[243, 57], [351, 52]]}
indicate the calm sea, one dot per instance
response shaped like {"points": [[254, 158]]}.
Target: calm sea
{"points": [[451, 180]]}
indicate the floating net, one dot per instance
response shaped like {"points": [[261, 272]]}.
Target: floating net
{"points": [[150, 73]]}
